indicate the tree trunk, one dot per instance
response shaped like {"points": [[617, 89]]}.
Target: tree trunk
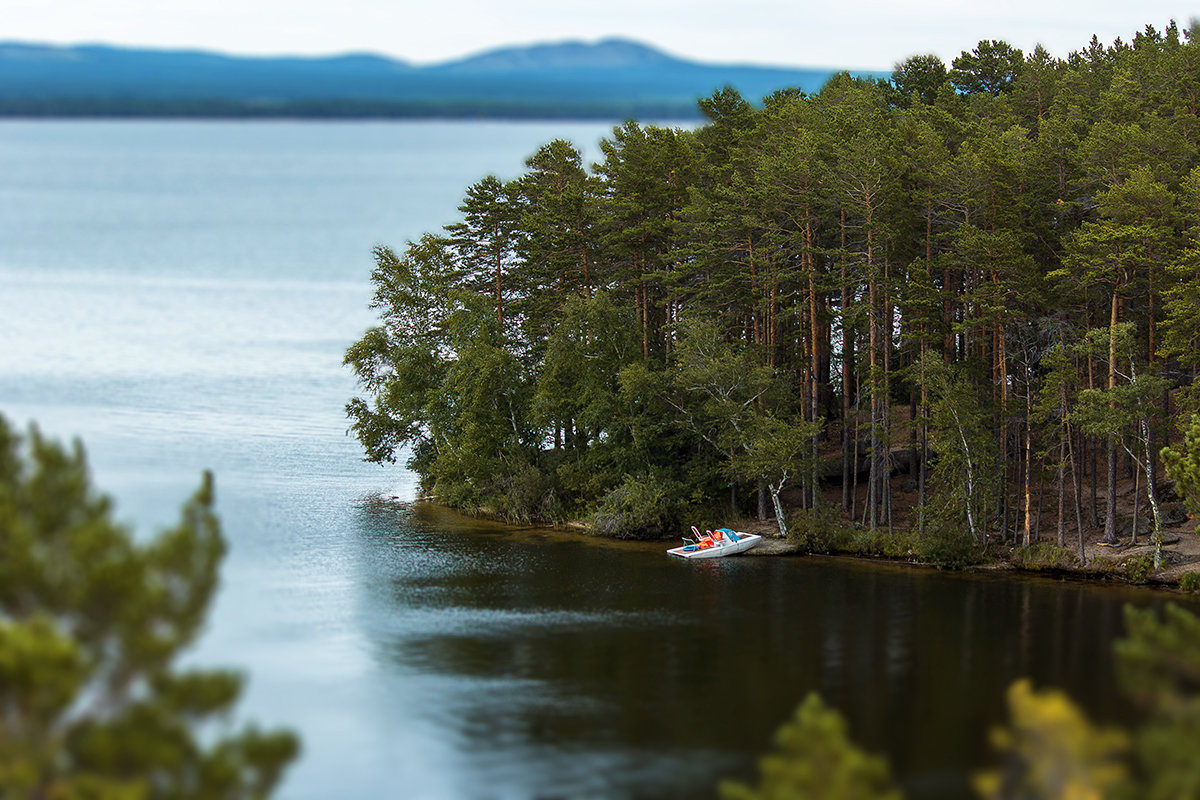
{"points": [[1063, 433], [815, 387], [1137, 505], [1110, 498], [1028, 452], [849, 443], [1078, 498], [780, 519]]}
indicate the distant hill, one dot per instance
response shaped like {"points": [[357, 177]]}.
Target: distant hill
{"points": [[609, 79]]}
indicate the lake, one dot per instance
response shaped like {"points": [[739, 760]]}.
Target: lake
{"points": [[179, 295]]}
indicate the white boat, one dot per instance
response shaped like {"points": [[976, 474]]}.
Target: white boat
{"points": [[716, 544]]}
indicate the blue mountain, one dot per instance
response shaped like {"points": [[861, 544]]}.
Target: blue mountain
{"points": [[606, 79]]}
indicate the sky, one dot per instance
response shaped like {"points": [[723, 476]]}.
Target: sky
{"points": [[856, 34]]}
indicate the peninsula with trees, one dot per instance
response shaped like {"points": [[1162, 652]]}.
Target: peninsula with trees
{"points": [[911, 315]]}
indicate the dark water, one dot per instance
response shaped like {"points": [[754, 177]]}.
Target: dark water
{"points": [[565, 667], [179, 295]]}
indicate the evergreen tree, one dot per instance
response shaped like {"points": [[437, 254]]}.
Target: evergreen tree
{"points": [[92, 624], [1183, 465], [485, 241], [843, 243], [1158, 665], [644, 181], [817, 761], [558, 242], [921, 77], [991, 67], [1052, 752]]}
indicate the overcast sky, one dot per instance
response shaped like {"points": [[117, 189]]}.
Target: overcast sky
{"points": [[852, 33]]}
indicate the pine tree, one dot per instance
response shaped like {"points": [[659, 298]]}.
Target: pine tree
{"points": [[817, 761], [1052, 752], [92, 624], [1158, 665]]}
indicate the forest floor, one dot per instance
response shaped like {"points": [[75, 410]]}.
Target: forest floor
{"points": [[1180, 551]]}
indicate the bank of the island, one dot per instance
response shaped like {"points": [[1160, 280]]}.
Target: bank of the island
{"points": [[831, 534], [901, 318]]}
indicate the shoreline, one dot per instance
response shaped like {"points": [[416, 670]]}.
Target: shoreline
{"points": [[1105, 564]]}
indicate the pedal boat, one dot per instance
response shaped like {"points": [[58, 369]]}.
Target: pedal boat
{"points": [[716, 544]]}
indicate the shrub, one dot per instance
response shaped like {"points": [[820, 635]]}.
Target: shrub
{"points": [[455, 495], [1190, 581], [1138, 568], [819, 531], [1043, 555], [642, 507], [527, 494], [951, 547], [865, 543], [900, 544]]}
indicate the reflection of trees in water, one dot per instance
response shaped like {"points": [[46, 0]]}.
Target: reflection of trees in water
{"points": [[546, 642]]}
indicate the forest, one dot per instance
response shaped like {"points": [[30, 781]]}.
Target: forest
{"points": [[962, 303]]}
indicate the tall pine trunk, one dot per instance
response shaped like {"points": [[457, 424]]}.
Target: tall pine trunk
{"points": [[1110, 496]]}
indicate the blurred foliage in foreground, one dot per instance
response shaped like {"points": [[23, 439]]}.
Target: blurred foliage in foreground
{"points": [[1049, 750], [92, 704]]}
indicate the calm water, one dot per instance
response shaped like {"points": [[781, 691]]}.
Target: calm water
{"points": [[179, 296]]}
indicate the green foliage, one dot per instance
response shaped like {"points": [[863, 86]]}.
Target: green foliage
{"points": [[1158, 661], [920, 76], [1009, 246], [1190, 581], [901, 545], [644, 506], [991, 67], [965, 479], [527, 494], [1183, 465], [816, 760], [91, 624], [940, 546], [578, 388], [1052, 751], [1138, 568], [1043, 556], [824, 532], [1049, 749], [557, 248], [485, 240], [1158, 665], [949, 547], [773, 450], [820, 531], [1182, 294]]}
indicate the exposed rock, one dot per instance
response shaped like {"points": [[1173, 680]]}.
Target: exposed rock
{"points": [[1173, 513], [1125, 526], [1167, 492], [905, 461]]}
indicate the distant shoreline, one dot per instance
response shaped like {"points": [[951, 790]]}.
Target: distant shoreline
{"points": [[465, 112], [612, 79]]}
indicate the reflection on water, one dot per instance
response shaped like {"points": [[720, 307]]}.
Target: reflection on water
{"points": [[551, 665]]}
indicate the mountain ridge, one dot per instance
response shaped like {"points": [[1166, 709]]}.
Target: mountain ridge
{"points": [[606, 53], [612, 77]]}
